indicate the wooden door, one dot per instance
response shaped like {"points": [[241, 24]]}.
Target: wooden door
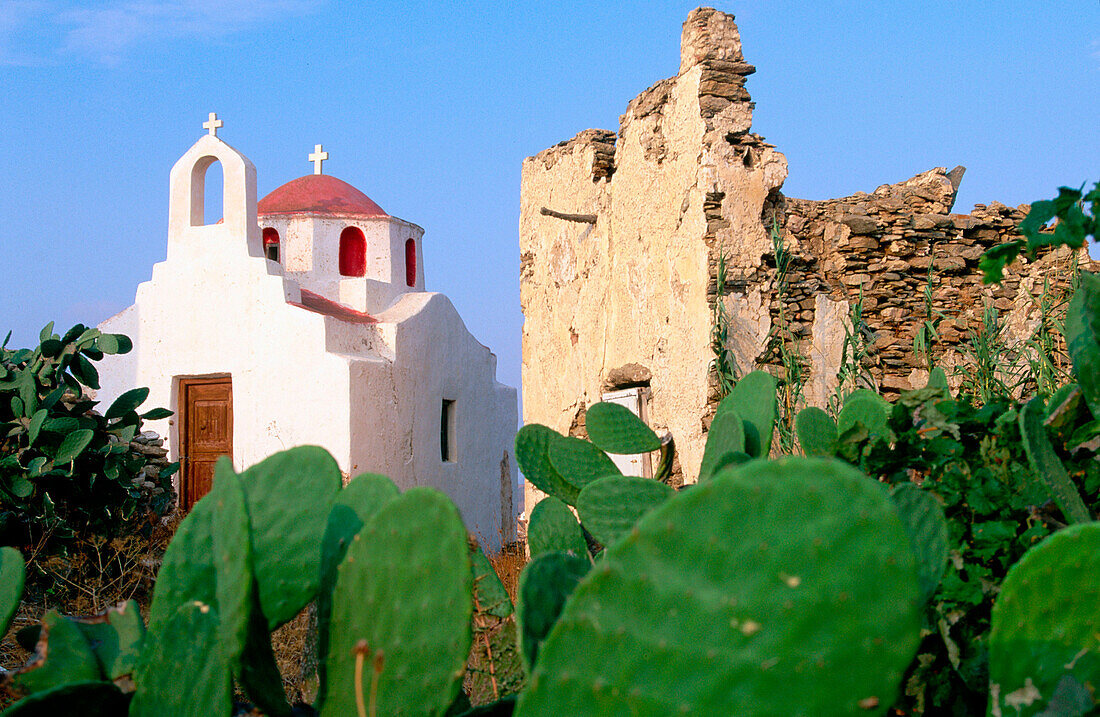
{"points": [[206, 432]]}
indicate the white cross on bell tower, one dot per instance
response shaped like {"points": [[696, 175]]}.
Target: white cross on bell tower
{"points": [[317, 157], [212, 123]]}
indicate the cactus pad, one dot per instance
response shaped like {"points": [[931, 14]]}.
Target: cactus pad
{"points": [[287, 529], [580, 462], [116, 639], [1046, 464], [615, 429], [611, 506], [754, 398], [210, 561], [925, 522], [184, 671], [937, 378], [186, 572], [1045, 622], [816, 431], [553, 527], [353, 506], [12, 574], [62, 655], [402, 610], [544, 585], [1083, 338], [489, 591], [867, 408], [233, 558], [756, 587], [533, 456], [726, 436]]}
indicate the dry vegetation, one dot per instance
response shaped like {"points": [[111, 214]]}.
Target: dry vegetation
{"points": [[94, 575]]}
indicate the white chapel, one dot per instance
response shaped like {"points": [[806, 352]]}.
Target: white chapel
{"points": [[303, 319]]}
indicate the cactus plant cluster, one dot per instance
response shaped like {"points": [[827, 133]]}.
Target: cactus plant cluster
{"points": [[66, 469], [795, 586], [623, 568], [391, 574]]}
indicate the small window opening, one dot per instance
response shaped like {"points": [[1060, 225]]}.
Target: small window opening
{"points": [[410, 262], [271, 243], [447, 432], [353, 252]]}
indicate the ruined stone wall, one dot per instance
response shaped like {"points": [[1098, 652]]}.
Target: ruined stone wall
{"points": [[621, 237], [885, 242], [630, 287]]}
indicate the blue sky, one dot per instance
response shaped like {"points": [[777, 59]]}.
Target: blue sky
{"points": [[431, 111]]}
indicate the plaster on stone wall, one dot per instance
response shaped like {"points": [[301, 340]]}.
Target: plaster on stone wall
{"points": [[826, 348]]}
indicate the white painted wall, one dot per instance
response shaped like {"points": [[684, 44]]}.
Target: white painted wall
{"points": [[369, 393], [401, 404], [310, 254]]}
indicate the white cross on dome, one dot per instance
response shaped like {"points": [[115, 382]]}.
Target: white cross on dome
{"points": [[317, 157]]}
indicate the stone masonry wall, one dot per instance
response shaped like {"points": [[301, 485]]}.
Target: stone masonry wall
{"points": [[621, 236], [884, 243]]}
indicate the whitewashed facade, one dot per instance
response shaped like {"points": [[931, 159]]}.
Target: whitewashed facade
{"points": [[335, 343]]}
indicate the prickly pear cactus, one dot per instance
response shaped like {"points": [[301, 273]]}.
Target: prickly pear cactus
{"points": [[62, 655], [116, 639], [210, 561], [580, 462], [1046, 464], [754, 398], [867, 408], [233, 556], [353, 506], [256, 669], [287, 531], [489, 592], [755, 587], [937, 378], [726, 436], [925, 522], [12, 574], [613, 428], [187, 571], [1045, 623], [544, 585], [816, 432], [609, 507], [185, 672], [553, 527], [1083, 338], [533, 456], [401, 611]]}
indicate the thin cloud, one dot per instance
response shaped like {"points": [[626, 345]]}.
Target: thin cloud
{"points": [[63, 29], [17, 22]]}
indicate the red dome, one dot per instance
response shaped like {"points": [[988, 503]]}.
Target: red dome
{"points": [[319, 194]]}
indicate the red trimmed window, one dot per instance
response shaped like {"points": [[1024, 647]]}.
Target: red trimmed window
{"points": [[353, 252], [410, 262], [271, 243]]}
